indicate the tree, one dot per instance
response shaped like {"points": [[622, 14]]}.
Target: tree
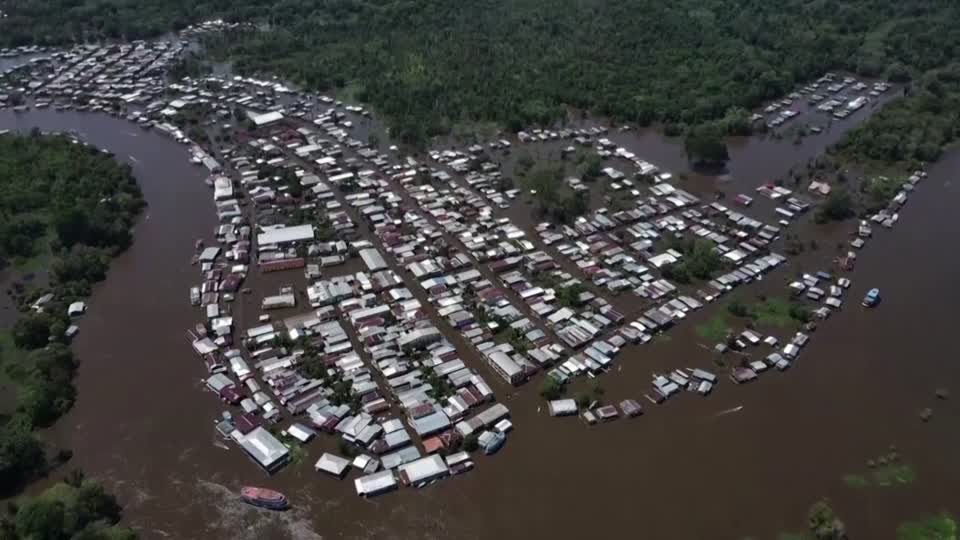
{"points": [[58, 330], [799, 312], [597, 391], [570, 296], [938, 527], [704, 145], [47, 391], [83, 511], [524, 164], [552, 388], [824, 525], [677, 272], [93, 503], [32, 330], [738, 309], [471, 444], [40, 519], [72, 226], [837, 207], [583, 400], [21, 455], [294, 187], [74, 478], [592, 168]]}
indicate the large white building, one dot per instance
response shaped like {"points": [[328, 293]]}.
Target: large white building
{"points": [[285, 235]]}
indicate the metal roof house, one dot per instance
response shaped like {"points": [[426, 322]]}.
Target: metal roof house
{"points": [[423, 470], [265, 449], [375, 484], [562, 407], [332, 464], [372, 258], [265, 119], [504, 366], [286, 235], [420, 337]]}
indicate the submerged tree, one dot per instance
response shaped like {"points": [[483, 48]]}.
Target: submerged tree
{"points": [[704, 145], [824, 524], [837, 207]]}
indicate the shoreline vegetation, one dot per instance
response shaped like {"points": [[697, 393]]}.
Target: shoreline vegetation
{"points": [[77, 508], [823, 523], [73, 205]]}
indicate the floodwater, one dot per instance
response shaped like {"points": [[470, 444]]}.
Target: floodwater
{"points": [[143, 424]]}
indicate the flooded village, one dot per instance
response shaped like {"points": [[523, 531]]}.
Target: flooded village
{"points": [[355, 319]]}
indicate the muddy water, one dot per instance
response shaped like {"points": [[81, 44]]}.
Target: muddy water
{"points": [[684, 470]]}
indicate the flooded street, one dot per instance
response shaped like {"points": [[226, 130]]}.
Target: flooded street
{"points": [[692, 468]]}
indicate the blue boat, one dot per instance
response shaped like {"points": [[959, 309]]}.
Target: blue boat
{"points": [[872, 298]]}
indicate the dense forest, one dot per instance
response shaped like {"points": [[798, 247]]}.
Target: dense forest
{"points": [[77, 509], [435, 64], [53, 191], [925, 54], [71, 207]]}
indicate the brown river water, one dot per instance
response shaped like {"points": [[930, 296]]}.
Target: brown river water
{"points": [[685, 469]]}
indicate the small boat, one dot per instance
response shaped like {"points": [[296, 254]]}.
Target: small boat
{"points": [[872, 298], [264, 498], [195, 296]]}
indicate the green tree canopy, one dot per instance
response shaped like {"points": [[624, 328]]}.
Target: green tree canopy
{"points": [[704, 145]]}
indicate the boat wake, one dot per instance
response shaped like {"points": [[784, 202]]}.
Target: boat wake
{"points": [[738, 408]]}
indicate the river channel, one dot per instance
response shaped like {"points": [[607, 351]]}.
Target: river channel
{"points": [[143, 424]]}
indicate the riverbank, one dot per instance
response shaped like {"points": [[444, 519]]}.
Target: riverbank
{"points": [[66, 207]]}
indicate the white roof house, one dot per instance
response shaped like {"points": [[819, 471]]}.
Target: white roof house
{"points": [[423, 470], [562, 407], [332, 464], [264, 448], [261, 120], [222, 188], [372, 258], [376, 483], [300, 432], [76, 309], [283, 235]]}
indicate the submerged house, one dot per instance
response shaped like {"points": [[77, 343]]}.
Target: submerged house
{"points": [[264, 448]]}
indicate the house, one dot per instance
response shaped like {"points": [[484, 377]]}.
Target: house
{"points": [[562, 407], [505, 366], [332, 464], [372, 258], [423, 470], [264, 449], [419, 338], [375, 484], [76, 309], [265, 119], [285, 235]]}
